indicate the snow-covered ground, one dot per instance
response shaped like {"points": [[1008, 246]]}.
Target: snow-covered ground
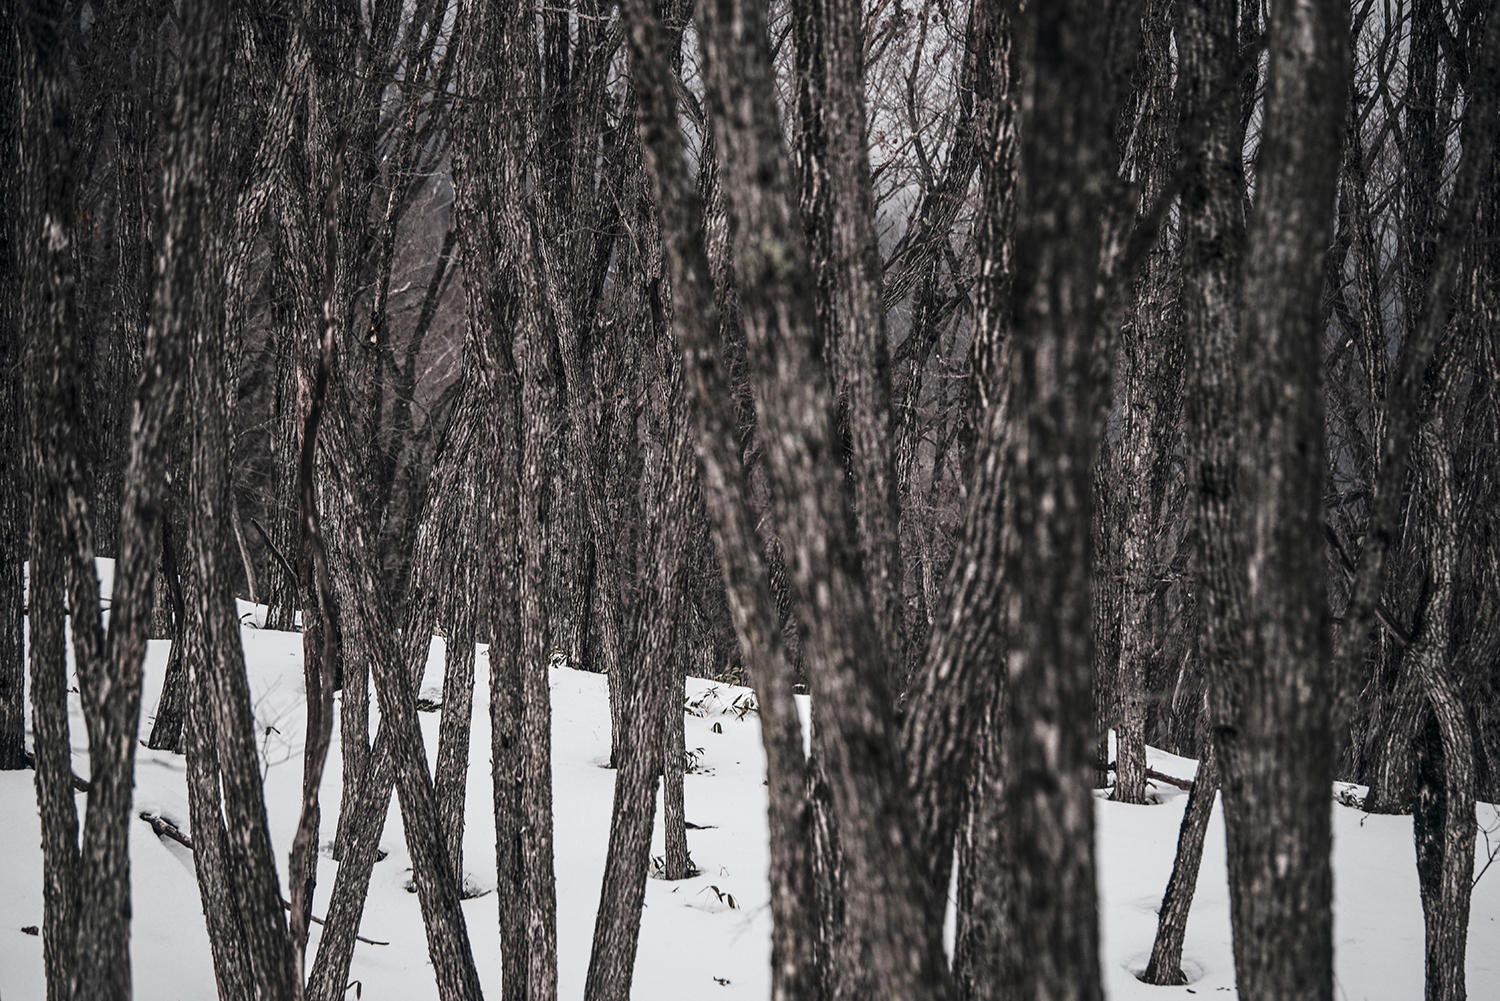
{"points": [[694, 943]]}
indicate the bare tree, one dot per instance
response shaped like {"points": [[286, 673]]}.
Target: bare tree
{"points": [[717, 424], [13, 486], [1272, 699]]}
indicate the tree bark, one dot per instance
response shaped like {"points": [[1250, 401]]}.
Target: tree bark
{"points": [[726, 491], [850, 671], [47, 297], [1165, 965], [1443, 822], [499, 241], [1273, 698], [14, 485], [1057, 384], [838, 213], [960, 678], [1152, 355]]}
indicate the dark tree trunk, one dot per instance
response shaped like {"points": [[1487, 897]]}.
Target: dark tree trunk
{"points": [[1057, 386], [726, 492], [49, 680], [1165, 965], [451, 772], [838, 212], [654, 683], [849, 665], [1152, 380], [1443, 822], [14, 485], [221, 711], [986, 913], [676, 862], [1272, 699], [498, 238], [171, 705], [1107, 595], [212, 861], [46, 204], [961, 679]]}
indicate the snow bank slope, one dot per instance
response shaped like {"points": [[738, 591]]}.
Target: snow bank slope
{"points": [[707, 937]]}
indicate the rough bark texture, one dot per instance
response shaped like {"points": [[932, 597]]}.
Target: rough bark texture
{"points": [[1272, 700], [14, 487], [1443, 823], [497, 239], [221, 711], [838, 213], [726, 493], [1212, 65], [849, 674], [1165, 966], [960, 679], [650, 682], [171, 705], [1057, 386], [1152, 380], [49, 312], [986, 913]]}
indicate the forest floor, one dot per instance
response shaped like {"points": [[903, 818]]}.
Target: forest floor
{"points": [[707, 937]]}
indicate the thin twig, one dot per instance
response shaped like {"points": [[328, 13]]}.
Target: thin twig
{"points": [[275, 551]]}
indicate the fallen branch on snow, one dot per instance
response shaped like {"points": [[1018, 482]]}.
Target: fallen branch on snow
{"points": [[166, 829], [1186, 785]]}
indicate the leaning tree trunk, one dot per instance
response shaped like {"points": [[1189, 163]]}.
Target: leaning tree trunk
{"points": [[451, 771], [654, 684], [1165, 965], [171, 705], [726, 492], [641, 696], [960, 681], [221, 711]]}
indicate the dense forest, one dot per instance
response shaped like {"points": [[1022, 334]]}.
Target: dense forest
{"points": [[1025, 381]]}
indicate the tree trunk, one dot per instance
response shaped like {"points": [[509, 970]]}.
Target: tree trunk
{"points": [[223, 710], [1152, 349], [986, 915], [451, 773], [726, 492], [1165, 966], [1443, 822], [1057, 383], [171, 705], [49, 311], [1272, 704], [960, 678], [849, 666], [839, 215], [499, 248], [14, 485]]}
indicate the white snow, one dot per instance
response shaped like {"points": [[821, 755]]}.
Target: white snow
{"points": [[693, 943]]}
